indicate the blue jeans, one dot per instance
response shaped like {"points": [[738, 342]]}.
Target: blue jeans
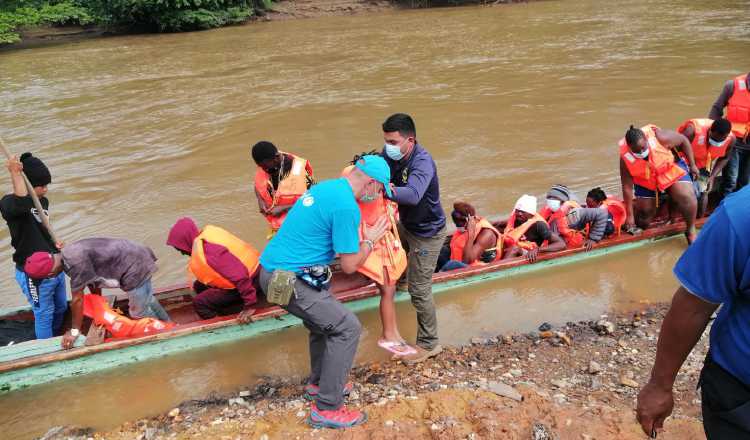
{"points": [[142, 303], [48, 300], [453, 265], [736, 172]]}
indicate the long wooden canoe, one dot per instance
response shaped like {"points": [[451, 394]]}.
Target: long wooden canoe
{"points": [[41, 361]]}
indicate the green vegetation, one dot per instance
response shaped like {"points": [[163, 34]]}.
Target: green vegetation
{"points": [[20, 13], [142, 15]]}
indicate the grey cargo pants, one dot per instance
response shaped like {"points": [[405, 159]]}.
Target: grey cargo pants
{"points": [[423, 253], [334, 336]]}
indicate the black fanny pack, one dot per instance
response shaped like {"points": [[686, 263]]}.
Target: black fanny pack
{"points": [[318, 277]]}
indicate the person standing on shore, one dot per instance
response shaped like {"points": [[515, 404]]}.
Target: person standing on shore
{"points": [[735, 97], [713, 271], [414, 182], [295, 273], [47, 296]]}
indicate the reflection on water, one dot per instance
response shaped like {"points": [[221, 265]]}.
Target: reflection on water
{"points": [[141, 130]]}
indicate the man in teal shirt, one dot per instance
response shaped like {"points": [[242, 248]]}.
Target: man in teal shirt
{"points": [[324, 222]]}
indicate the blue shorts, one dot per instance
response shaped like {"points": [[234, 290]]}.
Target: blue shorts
{"points": [[645, 193]]}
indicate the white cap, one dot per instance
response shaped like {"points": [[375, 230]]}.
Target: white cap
{"points": [[526, 203]]}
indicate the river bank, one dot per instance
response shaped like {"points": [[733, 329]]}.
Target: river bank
{"points": [[575, 382], [40, 36]]}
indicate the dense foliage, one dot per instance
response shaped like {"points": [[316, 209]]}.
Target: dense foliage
{"points": [[149, 15], [16, 14]]}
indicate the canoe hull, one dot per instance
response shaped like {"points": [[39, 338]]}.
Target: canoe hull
{"points": [[45, 368]]}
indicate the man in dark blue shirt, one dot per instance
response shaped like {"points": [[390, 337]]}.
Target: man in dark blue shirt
{"points": [[414, 181], [713, 271]]}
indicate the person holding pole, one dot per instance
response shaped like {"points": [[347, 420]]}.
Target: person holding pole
{"points": [[30, 234]]}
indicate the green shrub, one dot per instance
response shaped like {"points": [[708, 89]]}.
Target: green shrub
{"points": [[175, 15], [17, 14]]}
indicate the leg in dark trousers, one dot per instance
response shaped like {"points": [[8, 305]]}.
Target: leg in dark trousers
{"points": [[725, 404], [317, 348], [212, 302], [333, 342]]}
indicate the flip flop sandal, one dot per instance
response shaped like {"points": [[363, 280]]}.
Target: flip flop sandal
{"points": [[397, 347]]}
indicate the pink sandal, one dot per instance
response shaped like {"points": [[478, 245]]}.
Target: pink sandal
{"points": [[397, 347]]}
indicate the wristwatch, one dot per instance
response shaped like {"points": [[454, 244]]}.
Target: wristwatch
{"points": [[74, 332]]}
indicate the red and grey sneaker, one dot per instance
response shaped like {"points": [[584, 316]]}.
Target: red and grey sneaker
{"points": [[335, 419], [311, 391]]}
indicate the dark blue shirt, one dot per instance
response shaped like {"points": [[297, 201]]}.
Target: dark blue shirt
{"points": [[716, 268], [417, 192]]}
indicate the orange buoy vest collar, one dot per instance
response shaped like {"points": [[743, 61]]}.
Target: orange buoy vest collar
{"points": [[703, 152], [459, 239], [290, 188], [120, 326], [573, 238], [513, 236], [388, 257], [616, 208], [216, 235], [738, 107], [658, 170]]}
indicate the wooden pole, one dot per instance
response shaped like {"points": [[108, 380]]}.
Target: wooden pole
{"points": [[34, 198]]}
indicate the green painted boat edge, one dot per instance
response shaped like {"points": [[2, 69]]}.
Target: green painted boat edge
{"points": [[40, 374]]}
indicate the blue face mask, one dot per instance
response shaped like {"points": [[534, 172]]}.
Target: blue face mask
{"points": [[715, 143], [393, 151]]}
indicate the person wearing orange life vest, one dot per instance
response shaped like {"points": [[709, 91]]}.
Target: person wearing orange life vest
{"points": [[648, 170], [735, 98], [281, 179], [712, 142], [385, 264], [475, 241], [224, 267], [578, 226], [526, 233], [99, 263], [615, 208]]}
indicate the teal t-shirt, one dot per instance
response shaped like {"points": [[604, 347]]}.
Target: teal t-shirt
{"points": [[322, 223]]}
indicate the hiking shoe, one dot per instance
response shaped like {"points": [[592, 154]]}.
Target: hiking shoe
{"points": [[311, 391], [335, 419], [421, 355]]}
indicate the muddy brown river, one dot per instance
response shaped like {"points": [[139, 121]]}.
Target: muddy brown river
{"points": [[141, 130]]}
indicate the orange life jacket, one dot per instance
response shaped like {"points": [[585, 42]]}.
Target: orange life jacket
{"points": [[703, 152], [658, 170], [458, 242], [120, 326], [573, 238], [616, 207], [216, 235], [388, 255], [738, 107], [515, 236], [290, 188]]}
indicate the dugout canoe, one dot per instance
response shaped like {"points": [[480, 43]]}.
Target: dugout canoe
{"points": [[37, 362]]}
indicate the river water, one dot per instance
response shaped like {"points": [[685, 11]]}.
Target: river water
{"points": [[141, 130]]}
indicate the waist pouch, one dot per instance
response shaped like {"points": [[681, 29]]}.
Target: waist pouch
{"points": [[281, 287], [318, 277]]}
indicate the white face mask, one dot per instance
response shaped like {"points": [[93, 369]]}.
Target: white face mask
{"points": [[715, 143], [643, 154], [461, 229], [553, 204]]}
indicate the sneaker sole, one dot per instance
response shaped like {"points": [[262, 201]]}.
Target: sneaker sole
{"points": [[326, 425]]}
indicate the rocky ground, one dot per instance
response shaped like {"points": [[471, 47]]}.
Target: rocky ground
{"points": [[575, 382]]}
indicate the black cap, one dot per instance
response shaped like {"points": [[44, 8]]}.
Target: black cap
{"points": [[35, 170]]}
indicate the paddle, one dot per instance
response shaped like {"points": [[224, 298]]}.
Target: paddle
{"points": [[34, 198]]}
